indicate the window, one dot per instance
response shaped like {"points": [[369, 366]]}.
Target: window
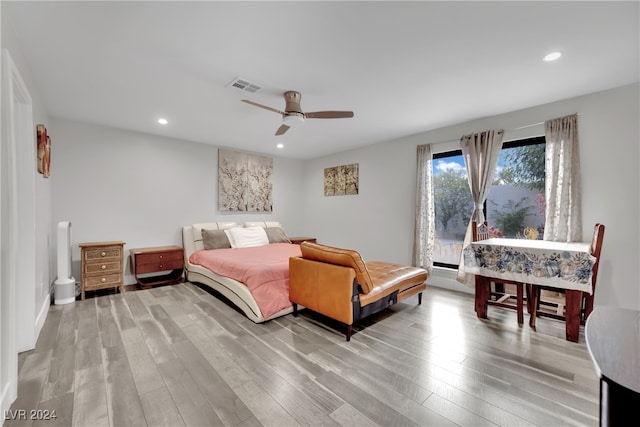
{"points": [[514, 208], [453, 206]]}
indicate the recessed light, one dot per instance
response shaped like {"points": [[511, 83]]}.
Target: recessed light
{"points": [[552, 56], [162, 121], [280, 145]]}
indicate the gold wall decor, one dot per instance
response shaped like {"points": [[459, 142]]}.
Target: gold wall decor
{"points": [[244, 182], [341, 180]]}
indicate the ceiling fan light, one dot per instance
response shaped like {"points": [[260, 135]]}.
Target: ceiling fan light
{"points": [[293, 119]]}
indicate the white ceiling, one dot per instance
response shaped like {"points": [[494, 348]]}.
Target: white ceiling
{"points": [[402, 67]]}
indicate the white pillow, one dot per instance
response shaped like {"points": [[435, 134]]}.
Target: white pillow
{"points": [[247, 237]]}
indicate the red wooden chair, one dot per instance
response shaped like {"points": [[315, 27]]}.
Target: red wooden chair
{"points": [[556, 297], [500, 293], [596, 249]]}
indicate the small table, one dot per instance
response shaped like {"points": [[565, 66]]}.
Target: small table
{"points": [[298, 240], [154, 260], [561, 265], [613, 340]]}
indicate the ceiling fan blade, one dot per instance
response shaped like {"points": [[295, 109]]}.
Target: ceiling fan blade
{"points": [[282, 129], [329, 115], [262, 106]]}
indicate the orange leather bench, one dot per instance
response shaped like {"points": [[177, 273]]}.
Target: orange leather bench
{"points": [[339, 284]]}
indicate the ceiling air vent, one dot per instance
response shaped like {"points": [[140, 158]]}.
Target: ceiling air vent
{"points": [[245, 85]]}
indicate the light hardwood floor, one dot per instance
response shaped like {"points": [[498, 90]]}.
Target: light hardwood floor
{"points": [[176, 355]]}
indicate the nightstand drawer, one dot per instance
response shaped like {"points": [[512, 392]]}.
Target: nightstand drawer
{"points": [[103, 281], [159, 257], [151, 267], [102, 267], [95, 255]]}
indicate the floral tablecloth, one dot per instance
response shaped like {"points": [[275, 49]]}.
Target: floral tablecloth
{"points": [[538, 262]]}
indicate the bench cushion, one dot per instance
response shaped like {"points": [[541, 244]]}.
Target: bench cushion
{"points": [[389, 277]]}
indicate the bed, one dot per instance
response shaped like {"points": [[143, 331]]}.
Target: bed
{"points": [[265, 268]]}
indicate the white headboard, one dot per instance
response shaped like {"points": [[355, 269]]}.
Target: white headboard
{"points": [[263, 224], [192, 234]]}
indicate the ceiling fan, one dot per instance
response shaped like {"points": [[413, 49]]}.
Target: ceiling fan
{"points": [[293, 115]]}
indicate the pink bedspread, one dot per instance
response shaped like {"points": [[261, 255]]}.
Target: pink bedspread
{"points": [[264, 269]]}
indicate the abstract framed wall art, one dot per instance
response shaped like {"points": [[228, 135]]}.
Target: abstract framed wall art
{"points": [[341, 180], [244, 182], [44, 150]]}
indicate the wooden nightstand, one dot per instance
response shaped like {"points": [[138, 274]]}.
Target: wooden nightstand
{"points": [[154, 260], [298, 240], [102, 266]]}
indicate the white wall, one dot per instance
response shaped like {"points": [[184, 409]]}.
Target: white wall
{"points": [[120, 185], [378, 222]]}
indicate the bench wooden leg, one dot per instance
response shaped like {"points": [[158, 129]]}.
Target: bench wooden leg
{"points": [[348, 332], [420, 298], [295, 309]]}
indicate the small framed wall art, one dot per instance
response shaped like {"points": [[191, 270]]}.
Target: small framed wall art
{"points": [[341, 180], [44, 150]]}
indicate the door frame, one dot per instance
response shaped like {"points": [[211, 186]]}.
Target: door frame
{"points": [[17, 227]]}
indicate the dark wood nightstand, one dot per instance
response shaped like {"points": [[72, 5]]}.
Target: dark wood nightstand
{"points": [[298, 240], [155, 260]]}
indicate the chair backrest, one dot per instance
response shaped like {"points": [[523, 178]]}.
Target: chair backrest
{"points": [[596, 249], [479, 232], [338, 256]]}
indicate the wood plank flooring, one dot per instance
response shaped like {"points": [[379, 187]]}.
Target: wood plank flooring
{"points": [[179, 356]]}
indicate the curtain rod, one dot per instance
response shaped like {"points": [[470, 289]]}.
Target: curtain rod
{"points": [[526, 126], [539, 123], [507, 130]]}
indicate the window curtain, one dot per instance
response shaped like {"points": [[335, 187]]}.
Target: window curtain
{"points": [[563, 217], [481, 152], [424, 232]]}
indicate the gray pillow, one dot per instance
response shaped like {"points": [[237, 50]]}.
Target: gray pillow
{"points": [[276, 235], [215, 239]]}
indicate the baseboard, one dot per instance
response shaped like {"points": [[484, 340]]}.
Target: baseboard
{"points": [[446, 278], [42, 316]]}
